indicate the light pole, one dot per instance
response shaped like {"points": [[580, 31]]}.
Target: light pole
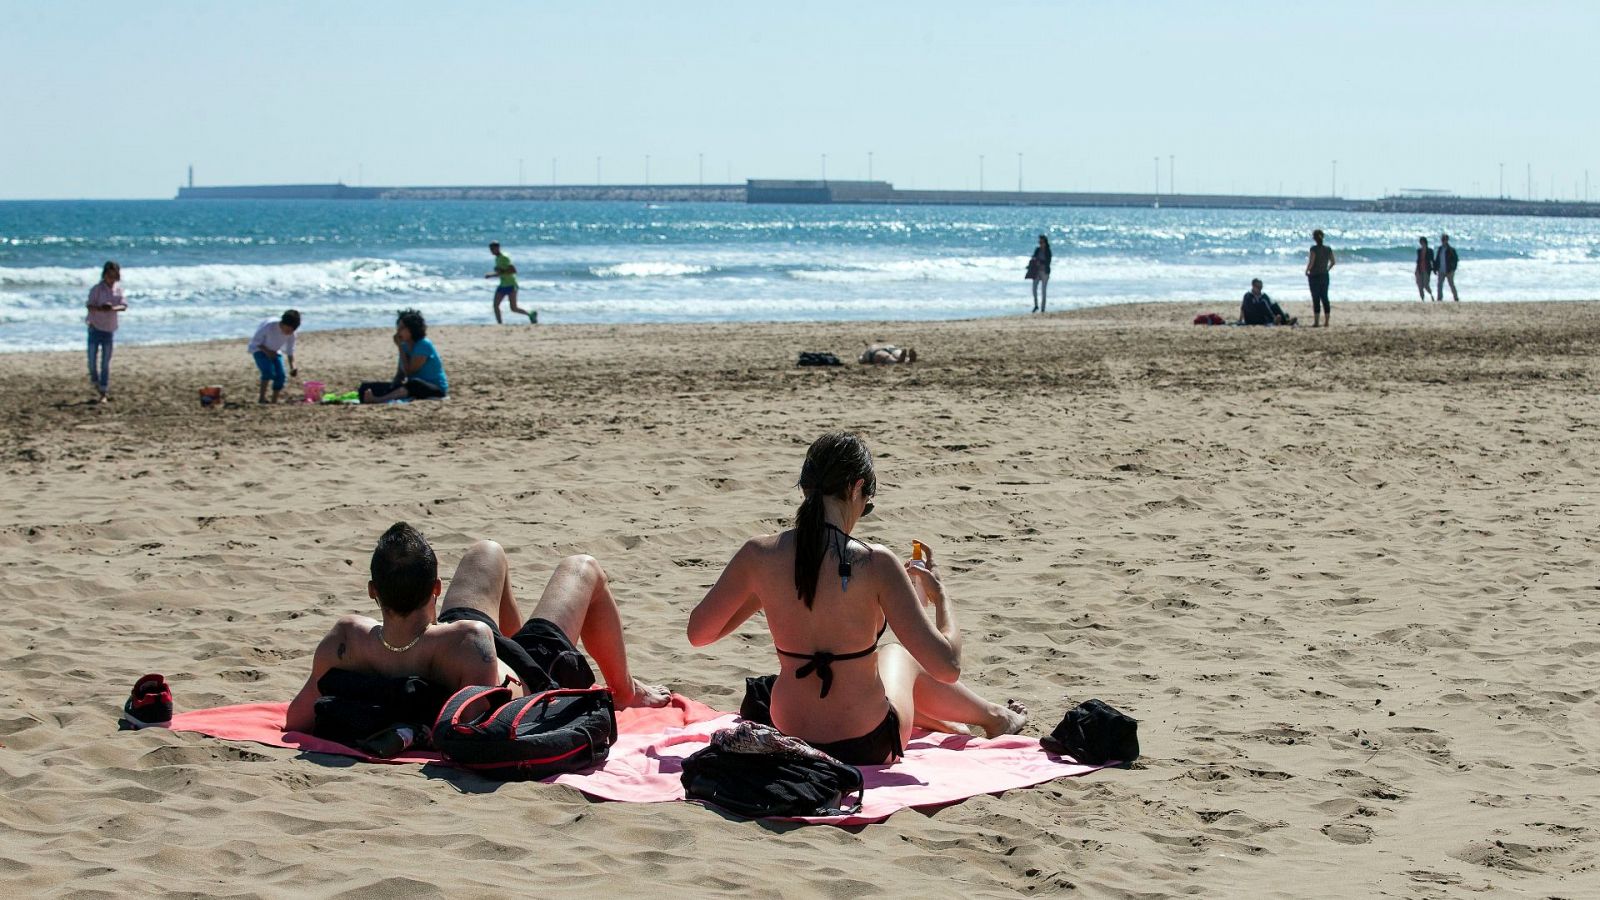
{"points": [[1502, 181]]}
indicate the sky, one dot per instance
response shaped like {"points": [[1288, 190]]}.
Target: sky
{"points": [[115, 99]]}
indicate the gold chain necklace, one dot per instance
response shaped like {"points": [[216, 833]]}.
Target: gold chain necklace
{"points": [[390, 647]]}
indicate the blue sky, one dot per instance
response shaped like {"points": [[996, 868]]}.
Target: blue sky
{"points": [[111, 99]]}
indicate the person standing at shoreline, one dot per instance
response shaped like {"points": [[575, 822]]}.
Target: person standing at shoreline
{"points": [[1318, 263], [272, 337], [1445, 262], [507, 273], [1425, 267], [105, 301], [1039, 273]]}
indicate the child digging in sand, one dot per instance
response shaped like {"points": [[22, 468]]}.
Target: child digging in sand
{"points": [[272, 337]]}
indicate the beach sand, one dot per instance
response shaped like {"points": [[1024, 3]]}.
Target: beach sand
{"points": [[1345, 579]]}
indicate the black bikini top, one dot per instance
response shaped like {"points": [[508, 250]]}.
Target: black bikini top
{"points": [[822, 662]]}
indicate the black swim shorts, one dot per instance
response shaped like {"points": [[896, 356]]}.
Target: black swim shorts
{"points": [[540, 653]]}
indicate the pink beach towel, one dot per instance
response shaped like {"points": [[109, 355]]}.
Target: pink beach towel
{"points": [[645, 763]]}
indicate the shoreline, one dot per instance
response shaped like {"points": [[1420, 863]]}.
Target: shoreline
{"points": [[1370, 310]]}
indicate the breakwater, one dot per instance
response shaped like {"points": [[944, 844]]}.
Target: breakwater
{"points": [[884, 193]]}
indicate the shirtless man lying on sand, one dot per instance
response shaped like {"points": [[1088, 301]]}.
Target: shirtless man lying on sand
{"points": [[480, 636]]}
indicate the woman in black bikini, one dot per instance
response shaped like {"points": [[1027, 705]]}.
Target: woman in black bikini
{"points": [[828, 598]]}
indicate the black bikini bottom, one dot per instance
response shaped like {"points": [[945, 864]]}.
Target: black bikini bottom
{"points": [[876, 747]]}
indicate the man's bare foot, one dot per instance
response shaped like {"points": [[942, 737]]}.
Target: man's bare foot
{"points": [[1010, 719], [643, 695]]}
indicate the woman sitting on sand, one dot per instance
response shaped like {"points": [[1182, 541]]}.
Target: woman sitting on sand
{"points": [[887, 354], [419, 374], [828, 598]]}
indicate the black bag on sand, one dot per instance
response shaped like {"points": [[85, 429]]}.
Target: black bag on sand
{"points": [[757, 703], [356, 707], [524, 739], [818, 359], [759, 785], [1095, 732]]}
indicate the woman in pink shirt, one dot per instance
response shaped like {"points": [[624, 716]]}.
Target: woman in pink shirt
{"points": [[105, 301]]}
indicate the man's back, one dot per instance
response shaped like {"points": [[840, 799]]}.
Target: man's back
{"points": [[451, 656]]}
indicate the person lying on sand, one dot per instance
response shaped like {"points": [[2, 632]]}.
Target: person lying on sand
{"points": [[480, 637], [828, 598], [887, 354]]}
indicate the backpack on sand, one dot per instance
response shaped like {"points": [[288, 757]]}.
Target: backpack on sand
{"points": [[356, 707], [528, 738], [810, 358], [1096, 732], [754, 771]]}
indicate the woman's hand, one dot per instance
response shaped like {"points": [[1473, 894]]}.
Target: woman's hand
{"points": [[925, 578]]}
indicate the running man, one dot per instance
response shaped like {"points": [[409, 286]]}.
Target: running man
{"points": [[507, 273]]}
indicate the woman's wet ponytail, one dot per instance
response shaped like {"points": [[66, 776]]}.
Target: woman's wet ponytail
{"points": [[833, 463]]}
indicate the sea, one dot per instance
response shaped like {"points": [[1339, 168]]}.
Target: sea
{"points": [[202, 270]]}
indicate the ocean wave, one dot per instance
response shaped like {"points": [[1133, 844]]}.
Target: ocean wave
{"points": [[340, 276], [961, 269], [648, 270]]}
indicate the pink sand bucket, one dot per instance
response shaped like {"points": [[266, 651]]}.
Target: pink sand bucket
{"points": [[314, 391]]}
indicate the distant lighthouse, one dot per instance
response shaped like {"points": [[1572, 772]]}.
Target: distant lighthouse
{"points": [[191, 175]]}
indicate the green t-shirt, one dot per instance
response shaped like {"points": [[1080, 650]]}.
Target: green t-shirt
{"points": [[502, 264]]}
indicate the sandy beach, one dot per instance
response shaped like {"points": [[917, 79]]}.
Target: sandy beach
{"points": [[1345, 578]]}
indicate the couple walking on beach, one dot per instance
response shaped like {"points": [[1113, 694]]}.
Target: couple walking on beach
{"points": [[828, 598], [1441, 263]]}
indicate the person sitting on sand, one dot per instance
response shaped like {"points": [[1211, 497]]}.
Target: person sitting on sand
{"points": [[886, 355], [1259, 309], [419, 374], [828, 597], [480, 637]]}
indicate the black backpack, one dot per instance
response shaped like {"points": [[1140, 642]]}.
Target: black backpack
{"points": [[357, 707], [810, 358], [1095, 732], [564, 730], [758, 785]]}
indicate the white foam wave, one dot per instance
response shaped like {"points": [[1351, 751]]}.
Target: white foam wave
{"points": [[954, 268], [339, 276], [648, 270]]}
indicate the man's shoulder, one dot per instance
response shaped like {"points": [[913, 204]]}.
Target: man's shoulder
{"points": [[467, 630]]}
